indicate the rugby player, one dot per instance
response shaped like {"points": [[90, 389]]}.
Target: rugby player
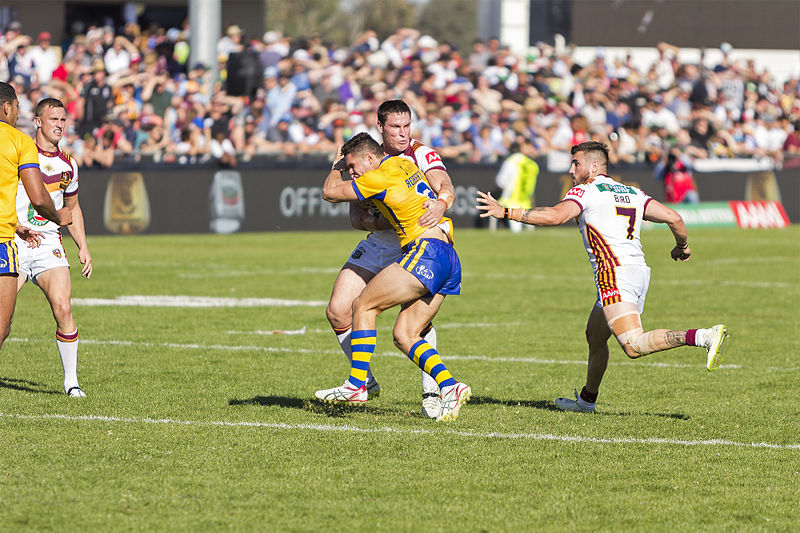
{"points": [[419, 280], [47, 265], [18, 164], [610, 217], [380, 248]]}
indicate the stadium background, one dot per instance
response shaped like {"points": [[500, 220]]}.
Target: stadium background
{"points": [[273, 194]]}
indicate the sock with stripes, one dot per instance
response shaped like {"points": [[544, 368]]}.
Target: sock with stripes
{"points": [[427, 358], [428, 383], [67, 345], [343, 336], [362, 346]]}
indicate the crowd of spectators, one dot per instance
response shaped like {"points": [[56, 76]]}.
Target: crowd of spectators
{"points": [[135, 94]]}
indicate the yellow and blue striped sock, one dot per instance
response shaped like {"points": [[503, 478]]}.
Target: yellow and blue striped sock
{"points": [[427, 358], [362, 345]]}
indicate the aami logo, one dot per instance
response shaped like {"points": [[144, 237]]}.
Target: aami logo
{"points": [[760, 214], [432, 157], [605, 295], [576, 191]]}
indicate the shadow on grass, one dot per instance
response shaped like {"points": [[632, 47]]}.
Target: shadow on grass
{"points": [[548, 405], [24, 385], [311, 405]]}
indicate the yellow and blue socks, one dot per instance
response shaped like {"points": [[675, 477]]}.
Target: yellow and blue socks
{"points": [[427, 358], [362, 346]]}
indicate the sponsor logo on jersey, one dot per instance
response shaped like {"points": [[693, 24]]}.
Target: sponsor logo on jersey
{"points": [[610, 293], [605, 187], [35, 218], [424, 272], [66, 177], [576, 191], [432, 157]]}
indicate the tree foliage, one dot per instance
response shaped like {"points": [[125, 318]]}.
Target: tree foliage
{"points": [[341, 22]]}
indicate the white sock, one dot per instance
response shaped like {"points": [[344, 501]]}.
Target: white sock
{"points": [[344, 344], [701, 336], [69, 359], [428, 383]]}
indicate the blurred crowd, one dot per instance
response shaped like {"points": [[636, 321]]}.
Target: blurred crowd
{"points": [[134, 94]]}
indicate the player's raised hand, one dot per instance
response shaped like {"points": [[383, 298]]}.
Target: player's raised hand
{"points": [[489, 206]]}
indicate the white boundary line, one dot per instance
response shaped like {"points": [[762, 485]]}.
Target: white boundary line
{"points": [[353, 429], [447, 357]]}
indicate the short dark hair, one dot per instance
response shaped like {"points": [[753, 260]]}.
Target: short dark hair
{"points": [[46, 103], [362, 144], [392, 106], [592, 147], [7, 93]]}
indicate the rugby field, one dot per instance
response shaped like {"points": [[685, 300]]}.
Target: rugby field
{"points": [[200, 356]]}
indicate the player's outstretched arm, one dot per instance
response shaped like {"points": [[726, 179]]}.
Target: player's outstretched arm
{"points": [[78, 233], [538, 216], [660, 213], [34, 187]]}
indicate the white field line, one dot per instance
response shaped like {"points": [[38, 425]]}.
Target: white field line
{"points": [[327, 331], [295, 350], [137, 300], [353, 429]]}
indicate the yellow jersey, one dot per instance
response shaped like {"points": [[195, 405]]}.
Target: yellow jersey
{"points": [[17, 152], [399, 190]]}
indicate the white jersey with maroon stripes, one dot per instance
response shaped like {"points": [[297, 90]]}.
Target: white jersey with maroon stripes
{"points": [[426, 159], [60, 176], [610, 221]]}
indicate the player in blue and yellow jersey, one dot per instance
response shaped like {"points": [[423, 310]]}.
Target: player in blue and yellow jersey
{"points": [[428, 270], [19, 162]]}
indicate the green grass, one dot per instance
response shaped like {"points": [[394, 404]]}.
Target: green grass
{"points": [[190, 427]]}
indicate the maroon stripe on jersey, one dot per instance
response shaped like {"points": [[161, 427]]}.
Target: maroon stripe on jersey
{"points": [[604, 257], [51, 178], [70, 194]]}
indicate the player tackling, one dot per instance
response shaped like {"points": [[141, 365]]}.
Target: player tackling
{"points": [[610, 217], [47, 265], [419, 280]]}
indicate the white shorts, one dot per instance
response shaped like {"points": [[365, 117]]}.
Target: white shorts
{"points": [[374, 255], [34, 261], [626, 283]]}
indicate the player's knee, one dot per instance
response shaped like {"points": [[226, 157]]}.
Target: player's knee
{"points": [[339, 315], [636, 344], [630, 351], [404, 337], [62, 311]]}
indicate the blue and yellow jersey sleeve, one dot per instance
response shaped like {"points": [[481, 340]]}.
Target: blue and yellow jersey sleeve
{"points": [[17, 152], [399, 190]]}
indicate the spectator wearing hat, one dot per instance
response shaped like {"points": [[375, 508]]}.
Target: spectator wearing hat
{"points": [[44, 57], [230, 43]]}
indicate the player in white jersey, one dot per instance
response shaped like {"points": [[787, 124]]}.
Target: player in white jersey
{"points": [[47, 265], [380, 248], [610, 217]]}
